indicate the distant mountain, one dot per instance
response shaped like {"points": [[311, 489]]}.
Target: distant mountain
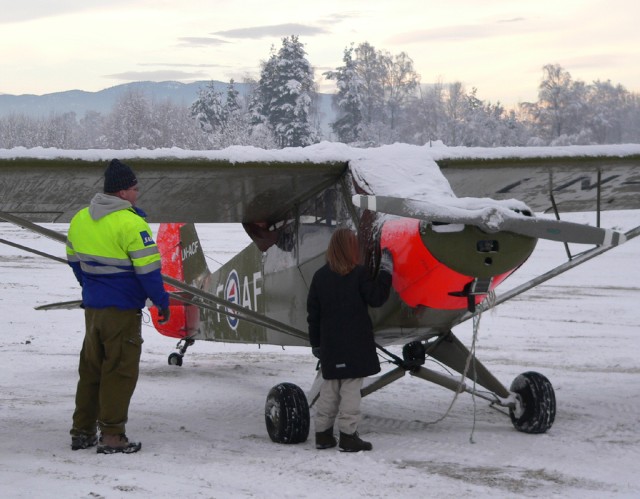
{"points": [[80, 101]]}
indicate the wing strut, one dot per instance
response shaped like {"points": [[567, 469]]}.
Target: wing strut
{"points": [[26, 224], [31, 250], [205, 299], [202, 298]]}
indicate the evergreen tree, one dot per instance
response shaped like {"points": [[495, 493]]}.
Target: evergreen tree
{"points": [[233, 104], [208, 109], [286, 91]]}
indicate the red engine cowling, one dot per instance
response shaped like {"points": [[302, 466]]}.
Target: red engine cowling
{"points": [[422, 279]]}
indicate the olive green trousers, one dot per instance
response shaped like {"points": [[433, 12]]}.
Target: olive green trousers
{"points": [[109, 366]]}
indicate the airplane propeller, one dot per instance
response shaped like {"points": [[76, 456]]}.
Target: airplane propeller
{"points": [[492, 220]]}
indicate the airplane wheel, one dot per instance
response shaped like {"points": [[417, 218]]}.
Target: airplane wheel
{"points": [[537, 398], [175, 359], [286, 414]]}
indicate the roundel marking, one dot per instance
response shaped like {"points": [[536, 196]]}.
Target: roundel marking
{"points": [[232, 294]]}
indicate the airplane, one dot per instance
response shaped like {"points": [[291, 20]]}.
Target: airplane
{"points": [[457, 221]]}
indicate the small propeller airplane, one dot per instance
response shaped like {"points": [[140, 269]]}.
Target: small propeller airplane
{"points": [[458, 222]]}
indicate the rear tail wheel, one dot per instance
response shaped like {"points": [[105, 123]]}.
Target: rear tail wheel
{"points": [[536, 410], [286, 414]]}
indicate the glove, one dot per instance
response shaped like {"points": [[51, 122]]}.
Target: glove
{"points": [[386, 261], [316, 352], [163, 315]]}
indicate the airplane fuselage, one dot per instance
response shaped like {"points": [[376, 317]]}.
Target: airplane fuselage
{"points": [[434, 267]]}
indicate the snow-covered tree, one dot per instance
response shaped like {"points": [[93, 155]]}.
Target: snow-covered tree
{"points": [[348, 125], [129, 124], [173, 126], [233, 103], [208, 109], [285, 95], [374, 91], [372, 74], [91, 131], [607, 108], [560, 110], [426, 122], [376, 105], [399, 86]]}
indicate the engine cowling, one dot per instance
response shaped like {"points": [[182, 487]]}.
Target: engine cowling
{"points": [[434, 263]]}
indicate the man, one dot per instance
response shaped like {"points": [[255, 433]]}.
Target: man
{"points": [[116, 261]]}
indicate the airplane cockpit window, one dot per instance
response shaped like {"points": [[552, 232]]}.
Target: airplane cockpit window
{"points": [[310, 225], [320, 210], [265, 235], [318, 218]]}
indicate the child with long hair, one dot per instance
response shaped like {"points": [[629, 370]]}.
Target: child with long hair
{"points": [[341, 336]]}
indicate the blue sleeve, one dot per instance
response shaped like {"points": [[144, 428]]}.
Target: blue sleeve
{"points": [[154, 288], [75, 266]]}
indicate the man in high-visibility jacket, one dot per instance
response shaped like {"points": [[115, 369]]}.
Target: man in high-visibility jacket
{"points": [[116, 261]]}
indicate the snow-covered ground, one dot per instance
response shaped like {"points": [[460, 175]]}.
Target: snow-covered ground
{"points": [[202, 425]]}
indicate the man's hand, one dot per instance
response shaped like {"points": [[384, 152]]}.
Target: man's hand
{"points": [[316, 352], [163, 315]]}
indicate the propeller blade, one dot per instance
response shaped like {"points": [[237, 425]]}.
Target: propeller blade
{"points": [[411, 208], [492, 220], [566, 232]]}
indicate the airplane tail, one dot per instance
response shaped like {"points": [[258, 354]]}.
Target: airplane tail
{"points": [[182, 259]]}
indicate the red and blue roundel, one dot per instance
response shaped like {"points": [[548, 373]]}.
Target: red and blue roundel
{"points": [[232, 294]]}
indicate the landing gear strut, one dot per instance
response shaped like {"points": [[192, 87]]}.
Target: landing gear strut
{"points": [[175, 359], [530, 400]]}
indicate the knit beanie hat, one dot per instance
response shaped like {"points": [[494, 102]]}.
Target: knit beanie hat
{"points": [[118, 177]]}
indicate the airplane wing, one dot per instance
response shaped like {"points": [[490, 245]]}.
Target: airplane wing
{"points": [[577, 183], [251, 185], [172, 189]]}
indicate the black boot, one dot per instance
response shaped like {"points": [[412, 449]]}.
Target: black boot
{"points": [[325, 439], [353, 443], [113, 444], [83, 441]]}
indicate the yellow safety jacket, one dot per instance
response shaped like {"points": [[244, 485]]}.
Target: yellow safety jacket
{"points": [[111, 250]]}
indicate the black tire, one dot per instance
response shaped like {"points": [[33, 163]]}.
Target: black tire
{"points": [[538, 401], [175, 359], [286, 414]]}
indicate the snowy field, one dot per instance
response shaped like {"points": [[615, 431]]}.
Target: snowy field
{"points": [[202, 425]]}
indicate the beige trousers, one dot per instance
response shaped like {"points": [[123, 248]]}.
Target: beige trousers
{"points": [[339, 399]]}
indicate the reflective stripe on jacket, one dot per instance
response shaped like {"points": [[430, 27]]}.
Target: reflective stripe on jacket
{"points": [[114, 257]]}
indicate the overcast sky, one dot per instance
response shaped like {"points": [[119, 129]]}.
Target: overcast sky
{"points": [[497, 46]]}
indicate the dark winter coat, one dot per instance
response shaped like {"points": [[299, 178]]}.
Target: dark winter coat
{"points": [[339, 321]]}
